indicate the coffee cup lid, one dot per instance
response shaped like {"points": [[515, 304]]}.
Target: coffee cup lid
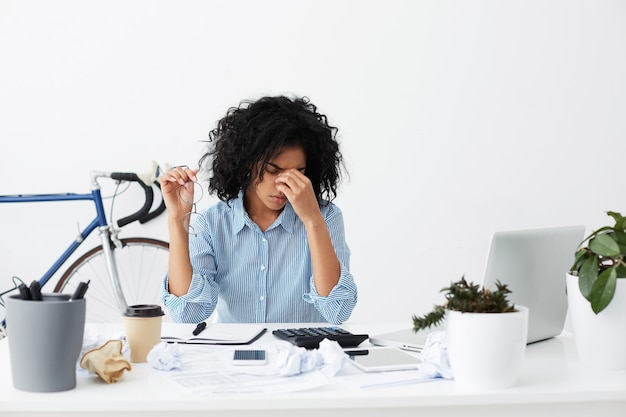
{"points": [[144, 310]]}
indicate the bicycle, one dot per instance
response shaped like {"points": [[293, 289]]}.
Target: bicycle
{"points": [[120, 271]]}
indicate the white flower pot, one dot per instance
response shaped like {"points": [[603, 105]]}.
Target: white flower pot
{"points": [[600, 338], [486, 350]]}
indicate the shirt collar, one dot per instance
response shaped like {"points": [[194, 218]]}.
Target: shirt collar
{"points": [[239, 213], [286, 219]]}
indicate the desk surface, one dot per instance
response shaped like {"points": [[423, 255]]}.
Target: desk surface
{"points": [[552, 382]]}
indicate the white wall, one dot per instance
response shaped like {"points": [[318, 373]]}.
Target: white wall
{"points": [[457, 118]]}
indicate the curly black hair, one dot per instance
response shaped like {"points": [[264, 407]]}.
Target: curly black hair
{"points": [[257, 131]]}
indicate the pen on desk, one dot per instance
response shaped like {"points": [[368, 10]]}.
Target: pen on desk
{"points": [[199, 328], [81, 289]]}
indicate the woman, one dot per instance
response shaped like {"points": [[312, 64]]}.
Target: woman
{"points": [[273, 248]]}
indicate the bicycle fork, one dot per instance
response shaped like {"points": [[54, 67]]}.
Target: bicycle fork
{"points": [[105, 237]]}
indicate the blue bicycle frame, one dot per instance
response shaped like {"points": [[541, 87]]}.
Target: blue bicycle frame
{"points": [[107, 232], [99, 221]]}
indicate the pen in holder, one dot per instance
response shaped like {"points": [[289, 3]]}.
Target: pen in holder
{"points": [[81, 289], [35, 291], [30, 293], [24, 291]]}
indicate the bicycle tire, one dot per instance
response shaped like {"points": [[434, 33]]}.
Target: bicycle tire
{"points": [[141, 263]]}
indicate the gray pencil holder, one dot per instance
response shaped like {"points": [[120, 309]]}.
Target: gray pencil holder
{"points": [[45, 339]]}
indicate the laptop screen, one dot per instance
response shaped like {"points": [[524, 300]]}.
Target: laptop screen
{"points": [[534, 264]]}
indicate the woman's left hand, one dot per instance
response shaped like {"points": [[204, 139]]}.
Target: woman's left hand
{"points": [[298, 189]]}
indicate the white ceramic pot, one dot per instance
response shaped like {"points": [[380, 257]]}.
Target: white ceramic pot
{"points": [[486, 350], [600, 338]]}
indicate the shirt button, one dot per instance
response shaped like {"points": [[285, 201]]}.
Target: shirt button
{"points": [[262, 267], [261, 298], [264, 240]]}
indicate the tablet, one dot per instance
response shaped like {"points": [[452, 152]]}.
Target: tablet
{"points": [[383, 359]]}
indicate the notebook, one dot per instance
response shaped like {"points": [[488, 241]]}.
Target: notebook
{"points": [[212, 334], [533, 263]]}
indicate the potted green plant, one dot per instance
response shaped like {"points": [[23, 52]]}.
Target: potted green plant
{"points": [[485, 333], [601, 262], [596, 295], [469, 298]]}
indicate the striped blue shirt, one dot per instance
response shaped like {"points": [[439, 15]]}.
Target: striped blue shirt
{"points": [[252, 276]]}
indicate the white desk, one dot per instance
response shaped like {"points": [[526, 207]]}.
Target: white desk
{"points": [[553, 382]]}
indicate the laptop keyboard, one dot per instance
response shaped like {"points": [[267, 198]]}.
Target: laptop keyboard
{"points": [[310, 337]]}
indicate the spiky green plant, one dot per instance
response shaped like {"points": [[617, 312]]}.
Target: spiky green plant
{"points": [[469, 298], [599, 264]]}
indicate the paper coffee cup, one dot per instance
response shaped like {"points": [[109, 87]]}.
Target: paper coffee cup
{"points": [[142, 324]]}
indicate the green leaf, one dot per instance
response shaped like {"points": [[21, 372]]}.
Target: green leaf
{"points": [[598, 232], [605, 229], [616, 216], [431, 319], [603, 290], [620, 237], [604, 245], [587, 275], [579, 259], [620, 224]]}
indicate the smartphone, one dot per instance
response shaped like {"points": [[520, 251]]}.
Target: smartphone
{"points": [[249, 357]]}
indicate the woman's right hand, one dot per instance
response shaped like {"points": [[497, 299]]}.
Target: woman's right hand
{"points": [[177, 186]]}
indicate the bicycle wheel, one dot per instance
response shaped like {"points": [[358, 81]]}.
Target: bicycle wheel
{"points": [[141, 263]]}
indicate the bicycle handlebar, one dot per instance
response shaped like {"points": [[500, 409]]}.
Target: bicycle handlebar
{"points": [[143, 214], [156, 212]]}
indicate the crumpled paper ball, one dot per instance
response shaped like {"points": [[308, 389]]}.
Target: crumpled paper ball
{"points": [[435, 363], [107, 361], [165, 356], [293, 360]]}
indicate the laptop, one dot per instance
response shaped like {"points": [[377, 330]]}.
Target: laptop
{"points": [[533, 263], [405, 339]]}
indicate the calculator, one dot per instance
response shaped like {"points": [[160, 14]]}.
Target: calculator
{"points": [[310, 337]]}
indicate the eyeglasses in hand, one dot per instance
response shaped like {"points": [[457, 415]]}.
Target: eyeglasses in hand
{"points": [[191, 218]]}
